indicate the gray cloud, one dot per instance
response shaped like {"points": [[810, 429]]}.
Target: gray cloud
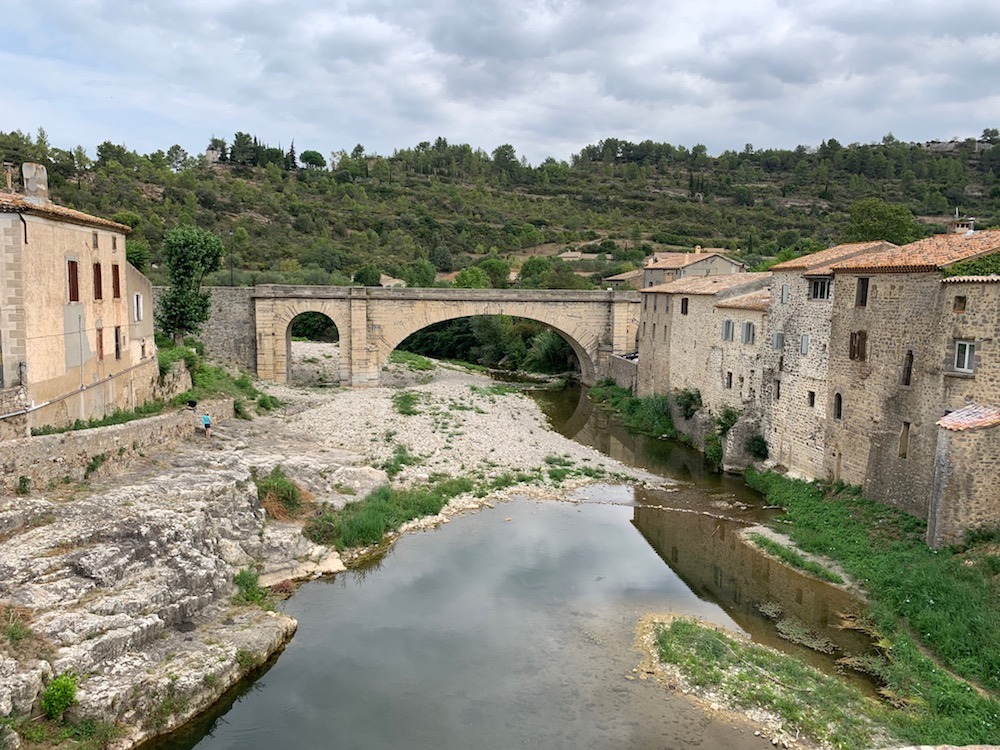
{"points": [[548, 76]]}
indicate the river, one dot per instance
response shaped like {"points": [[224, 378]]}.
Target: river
{"points": [[514, 626]]}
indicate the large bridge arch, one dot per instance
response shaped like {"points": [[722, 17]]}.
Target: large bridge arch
{"points": [[373, 321]]}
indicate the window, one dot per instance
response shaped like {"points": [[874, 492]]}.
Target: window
{"points": [[907, 368], [777, 390], [98, 288], [859, 346], [784, 294], [820, 288], [114, 242], [958, 305], [748, 333], [73, 276], [965, 352], [729, 380], [778, 340], [904, 439], [838, 406], [654, 304], [645, 302], [811, 398], [861, 295], [684, 305], [93, 240], [654, 331], [118, 342], [804, 344], [137, 309], [100, 344], [116, 281], [728, 330]]}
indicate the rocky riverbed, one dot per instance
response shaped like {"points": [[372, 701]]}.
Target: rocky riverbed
{"points": [[127, 583]]}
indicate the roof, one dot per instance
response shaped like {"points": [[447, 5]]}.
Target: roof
{"points": [[971, 417], [708, 284], [930, 254], [991, 279], [625, 276], [679, 260], [16, 203], [815, 262], [759, 301]]}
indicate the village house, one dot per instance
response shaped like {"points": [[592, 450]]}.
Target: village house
{"points": [[626, 280], [76, 324], [795, 357], [667, 267], [702, 333], [914, 381]]}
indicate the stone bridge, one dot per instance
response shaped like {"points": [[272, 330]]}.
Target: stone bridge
{"points": [[373, 321]]}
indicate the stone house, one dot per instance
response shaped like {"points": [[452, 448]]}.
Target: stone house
{"points": [[914, 377], [76, 323], [795, 357], [704, 333], [667, 267], [626, 280]]}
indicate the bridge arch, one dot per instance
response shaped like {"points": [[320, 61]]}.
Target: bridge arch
{"points": [[373, 321]]}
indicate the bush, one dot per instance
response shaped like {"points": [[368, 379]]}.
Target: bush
{"points": [[250, 590], [713, 449], [59, 695], [688, 401], [725, 421], [23, 485], [756, 446], [279, 494]]}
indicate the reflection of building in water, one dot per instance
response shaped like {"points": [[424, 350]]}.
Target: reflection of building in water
{"points": [[711, 558]]}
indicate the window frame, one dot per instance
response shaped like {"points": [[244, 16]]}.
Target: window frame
{"points": [[98, 282], [748, 332], [728, 330], [116, 281], [966, 347], [861, 293], [73, 280], [778, 340], [825, 286], [684, 305]]}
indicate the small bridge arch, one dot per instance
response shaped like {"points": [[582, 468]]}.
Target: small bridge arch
{"points": [[373, 321]]}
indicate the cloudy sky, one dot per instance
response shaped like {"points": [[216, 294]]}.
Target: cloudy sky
{"points": [[547, 76]]}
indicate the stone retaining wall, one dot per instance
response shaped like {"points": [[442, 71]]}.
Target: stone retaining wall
{"points": [[101, 451], [625, 372], [230, 335]]}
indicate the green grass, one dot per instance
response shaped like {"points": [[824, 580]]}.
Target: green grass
{"points": [[366, 522], [249, 590], [649, 415], [405, 402], [499, 389], [946, 600], [401, 457], [411, 360], [120, 416], [793, 558], [276, 487], [824, 708]]}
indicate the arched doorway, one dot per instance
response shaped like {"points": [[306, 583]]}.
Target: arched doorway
{"points": [[312, 351]]}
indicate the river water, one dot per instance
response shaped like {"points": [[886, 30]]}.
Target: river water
{"points": [[514, 626]]}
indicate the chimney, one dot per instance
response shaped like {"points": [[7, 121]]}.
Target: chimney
{"points": [[697, 249], [36, 182], [8, 170]]}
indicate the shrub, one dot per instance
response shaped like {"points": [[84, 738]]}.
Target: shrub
{"points": [[688, 401], [59, 695], [713, 449], [23, 485], [279, 494], [756, 446], [250, 590], [726, 419]]}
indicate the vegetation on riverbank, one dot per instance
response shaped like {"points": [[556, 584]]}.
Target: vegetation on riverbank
{"points": [[649, 415], [946, 601]]}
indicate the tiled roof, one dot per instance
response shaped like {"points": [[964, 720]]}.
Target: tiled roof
{"points": [[679, 260], [929, 254], [12, 202], [758, 301], [830, 255], [991, 279], [625, 276], [971, 417], [707, 284]]}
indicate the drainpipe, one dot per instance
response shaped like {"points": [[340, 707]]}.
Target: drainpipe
{"points": [[25, 224]]}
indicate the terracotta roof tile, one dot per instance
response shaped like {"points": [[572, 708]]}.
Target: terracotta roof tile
{"points": [[707, 284], [13, 202], [679, 260], [830, 255], [625, 276], [758, 301], [971, 417], [929, 254], [991, 279]]}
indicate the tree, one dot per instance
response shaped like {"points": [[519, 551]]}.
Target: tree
{"points": [[189, 253], [874, 219], [472, 278], [368, 276], [441, 258], [313, 159], [419, 273], [498, 272]]}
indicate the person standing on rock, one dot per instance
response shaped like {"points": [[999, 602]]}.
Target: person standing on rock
{"points": [[206, 422]]}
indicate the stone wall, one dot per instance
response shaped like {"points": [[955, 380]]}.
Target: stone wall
{"points": [[230, 335], [51, 459], [967, 474], [625, 372]]}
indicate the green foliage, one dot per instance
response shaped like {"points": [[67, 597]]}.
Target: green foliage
{"points": [[23, 485], [726, 419], [95, 463], [472, 278], [401, 457], [412, 361], [793, 558], [688, 401], [874, 219], [249, 590], [313, 159], [189, 253], [266, 403], [314, 326], [368, 276], [15, 626], [988, 265], [59, 695], [119, 416], [247, 659], [366, 522], [948, 600], [405, 402], [713, 448], [649, 415], [277, 487], [756, 446]]}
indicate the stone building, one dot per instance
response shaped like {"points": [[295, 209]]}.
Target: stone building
{"points": [[76, 324], [626, 280], [667, 267], [913, 368], [794, 356]]}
